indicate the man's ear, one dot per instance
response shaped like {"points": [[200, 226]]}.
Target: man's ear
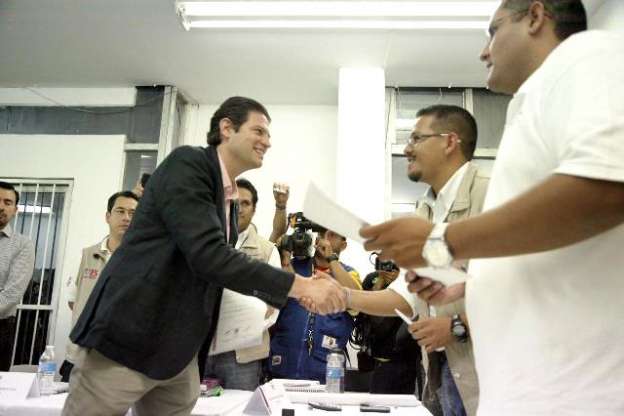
{"points": [[537, 15], [107, 217], [452, 143], [225, 129]]}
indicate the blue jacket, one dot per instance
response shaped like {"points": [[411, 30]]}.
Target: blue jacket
{"points": [[302, 340]]}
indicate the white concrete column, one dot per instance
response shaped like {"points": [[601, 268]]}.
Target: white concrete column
{"points": [[360, 151]]}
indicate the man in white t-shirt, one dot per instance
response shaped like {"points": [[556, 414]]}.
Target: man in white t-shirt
{"points": [[545, 315]]}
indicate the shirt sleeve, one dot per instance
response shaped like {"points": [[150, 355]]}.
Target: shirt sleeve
{"points": [[583, 115], [20, 273]]}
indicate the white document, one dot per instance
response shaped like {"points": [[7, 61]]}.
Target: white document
{"points": [[322, 210], [403, 400], [447, 276], [18, 386], [241, 323], [267, 399]]}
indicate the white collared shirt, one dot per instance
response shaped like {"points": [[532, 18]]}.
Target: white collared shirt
{"points": [[441, 203]]}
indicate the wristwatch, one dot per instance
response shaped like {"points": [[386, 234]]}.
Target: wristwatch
{"points": [[435, 251], [458, 329], [333, 257]]}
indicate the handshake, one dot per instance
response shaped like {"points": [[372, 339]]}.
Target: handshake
{"points": [[320, 294]]}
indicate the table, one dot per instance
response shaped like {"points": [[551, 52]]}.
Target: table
{"points": [[232, 402]]}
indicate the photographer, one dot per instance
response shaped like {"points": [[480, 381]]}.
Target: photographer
{"points": [[386, 347], [302, 340]]}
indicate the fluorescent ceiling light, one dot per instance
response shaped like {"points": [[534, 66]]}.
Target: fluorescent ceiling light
{"points": [[404, 15], [335, 24]]}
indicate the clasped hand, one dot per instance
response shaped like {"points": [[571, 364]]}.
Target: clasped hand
{"points": [[324, 295]]}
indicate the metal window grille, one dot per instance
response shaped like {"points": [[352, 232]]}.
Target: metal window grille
{"points": [[42, 216]]}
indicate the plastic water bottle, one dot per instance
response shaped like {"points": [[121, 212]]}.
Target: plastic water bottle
{"points": [[46, 372], [334, 374]]}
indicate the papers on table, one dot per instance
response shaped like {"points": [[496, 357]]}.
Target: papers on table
{"points": [[447, 276], [241, 323], [324, 211]]}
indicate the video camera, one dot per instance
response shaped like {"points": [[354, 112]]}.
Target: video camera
{"points": [[385, 266], [299, 243]]}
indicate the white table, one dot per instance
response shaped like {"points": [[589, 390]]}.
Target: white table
{"points": [[230, 403]]}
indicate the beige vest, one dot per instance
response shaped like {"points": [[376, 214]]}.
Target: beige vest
{"points": [[91, 265], [468, 202], [260, 249]]}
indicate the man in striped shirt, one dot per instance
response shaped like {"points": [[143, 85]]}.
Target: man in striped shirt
{"points": [[17, 258]]}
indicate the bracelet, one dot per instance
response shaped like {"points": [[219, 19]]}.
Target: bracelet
{"points": [[280, 207]]}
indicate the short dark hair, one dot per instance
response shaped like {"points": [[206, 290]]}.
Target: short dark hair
{"points": [[10, 187], [458, 120], [122, 194], [235, 109], [322, 231], [244, 183], [569, 15]]}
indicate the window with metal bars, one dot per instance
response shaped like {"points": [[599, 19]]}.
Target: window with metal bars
{"points": [[41, 214]]}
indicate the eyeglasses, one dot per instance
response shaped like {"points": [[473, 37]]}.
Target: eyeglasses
{"points": [[496, 24], [416, 139]]}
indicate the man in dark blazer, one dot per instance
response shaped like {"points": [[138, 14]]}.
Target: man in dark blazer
{"points": [[158, 298]]}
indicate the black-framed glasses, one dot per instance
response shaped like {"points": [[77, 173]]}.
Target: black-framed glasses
{"points": [[416, 139]]}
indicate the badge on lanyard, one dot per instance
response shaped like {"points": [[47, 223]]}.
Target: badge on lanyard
{"points": [[329, 342]]}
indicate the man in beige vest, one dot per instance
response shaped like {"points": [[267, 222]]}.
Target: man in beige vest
{"points": [[242, 369], [439, 153], [119, 211]]}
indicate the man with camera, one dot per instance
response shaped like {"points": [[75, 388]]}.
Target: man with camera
{"points": [[301, 340]]}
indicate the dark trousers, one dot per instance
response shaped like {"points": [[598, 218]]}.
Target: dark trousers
{"points": [[395, 377], [7, 337]]}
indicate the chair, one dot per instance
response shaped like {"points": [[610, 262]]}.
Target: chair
{"points": [[24, 368]]}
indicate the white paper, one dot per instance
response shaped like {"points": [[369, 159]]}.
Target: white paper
{"points": [[267, 400], [18, 386], [324, 211], [221, 405], [403, 400], [241, 323], [447, 276]]}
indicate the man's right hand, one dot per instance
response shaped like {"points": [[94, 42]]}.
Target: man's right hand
{"points": [[281, 192], [321, 294]]}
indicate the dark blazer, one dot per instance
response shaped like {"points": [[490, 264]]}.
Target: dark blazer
{"points": [[158, 297]]}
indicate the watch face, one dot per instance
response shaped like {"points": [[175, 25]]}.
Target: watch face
{"points": [[437, 254], [459, 330]]}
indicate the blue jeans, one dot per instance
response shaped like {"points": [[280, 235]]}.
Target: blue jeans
{"points": [[234, 375], [449, 397]]}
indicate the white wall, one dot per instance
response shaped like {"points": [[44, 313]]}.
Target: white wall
{"points": [[609, 16], [303, 147], [95, 165]]}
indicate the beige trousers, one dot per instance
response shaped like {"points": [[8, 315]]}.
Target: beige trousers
{"points": [[100, 386]]}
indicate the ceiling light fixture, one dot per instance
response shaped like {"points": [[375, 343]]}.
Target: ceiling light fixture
{"points": [[388, 15]]}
